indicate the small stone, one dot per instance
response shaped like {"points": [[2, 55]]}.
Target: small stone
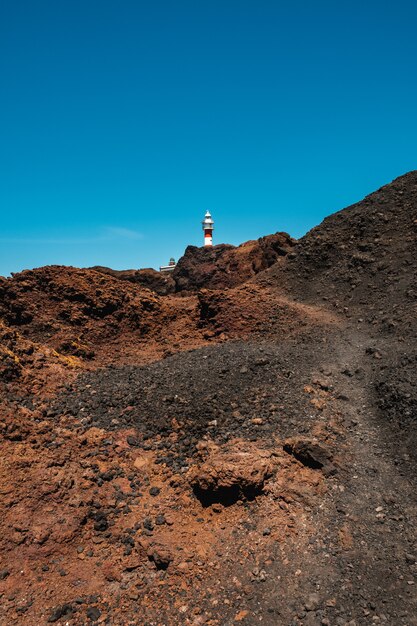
{"points": [[4, 573], [160, 555], [93, 613], [312, 602], [154, 491], [148, 524], [310, 453], [183, 566], [101, 525], [160, 520], [65, 610], [240, 616], [266, 532], [310, 619]]}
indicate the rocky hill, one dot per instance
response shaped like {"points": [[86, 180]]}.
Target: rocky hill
{"points": [[361, 263], [161, 283], [361, 260], [223, 266], [232, 444], [216, 267]]}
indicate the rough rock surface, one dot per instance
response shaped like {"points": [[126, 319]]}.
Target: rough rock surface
{"points": [[227, 475], [46, 298], [362, 258], [93, 318], [160, 282], [223, 266], [242, 454], [310, 453], [216, 267], [361, 263]]}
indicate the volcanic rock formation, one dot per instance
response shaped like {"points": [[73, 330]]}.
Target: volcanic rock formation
{"points": [[222, 266], [161, 283], [214, 267], [232, 443]]}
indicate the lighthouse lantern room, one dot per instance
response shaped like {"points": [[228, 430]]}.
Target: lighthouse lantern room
{"points": [[208, 226]]}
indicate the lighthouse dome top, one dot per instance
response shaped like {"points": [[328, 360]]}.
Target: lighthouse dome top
{"points": [[208, 220]]}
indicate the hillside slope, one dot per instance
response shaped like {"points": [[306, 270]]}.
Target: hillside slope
{"points": [[244, 453], [361, 263], [362, 260]]}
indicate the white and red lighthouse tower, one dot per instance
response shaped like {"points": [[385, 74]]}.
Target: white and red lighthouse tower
{"points": [[208, 227]]}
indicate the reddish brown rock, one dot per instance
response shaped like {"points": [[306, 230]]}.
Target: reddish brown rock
{"points": [[223, 266], [160, 555], [227, 475], [310, 453], [160, 282]]}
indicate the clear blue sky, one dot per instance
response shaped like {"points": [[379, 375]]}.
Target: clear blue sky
{"points": [[122, 122]]}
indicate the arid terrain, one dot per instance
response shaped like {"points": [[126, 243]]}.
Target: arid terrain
{"points": [[232, 443]]}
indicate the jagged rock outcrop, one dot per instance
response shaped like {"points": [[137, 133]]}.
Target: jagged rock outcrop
{"points": [[227, 475], [74, 306], [160, 282], [216, 267], [223, 266]]}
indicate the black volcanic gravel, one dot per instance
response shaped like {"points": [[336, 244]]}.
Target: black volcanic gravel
{"points": [[216, 390], [361, 263]]}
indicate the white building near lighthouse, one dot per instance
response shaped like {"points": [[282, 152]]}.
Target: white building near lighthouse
{"points": [[208, 227]]}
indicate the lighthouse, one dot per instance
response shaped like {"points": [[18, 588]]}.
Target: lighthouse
{"points": [[208, 226]]}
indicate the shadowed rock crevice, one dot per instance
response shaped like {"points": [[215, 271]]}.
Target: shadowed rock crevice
{"points": [[226, 496]]}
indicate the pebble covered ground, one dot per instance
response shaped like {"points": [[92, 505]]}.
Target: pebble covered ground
{"points": [[231, 390]]}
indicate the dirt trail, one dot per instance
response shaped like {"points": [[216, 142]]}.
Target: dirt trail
{"points": [[365, 558], [354, 558]]}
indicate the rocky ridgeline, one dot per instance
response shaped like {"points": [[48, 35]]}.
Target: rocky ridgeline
{"points": [[217, 267], [361, 261], [224, 266]]}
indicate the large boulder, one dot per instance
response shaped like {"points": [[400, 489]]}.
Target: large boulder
{"points": [[227, 475]]}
